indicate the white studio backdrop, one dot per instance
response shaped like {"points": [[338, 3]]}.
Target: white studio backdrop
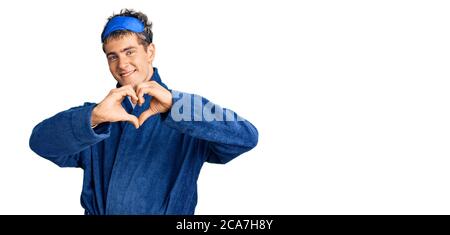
{"points": [[351, 99]]}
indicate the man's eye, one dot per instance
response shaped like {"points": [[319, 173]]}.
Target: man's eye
{"points": [[130, 52], [112, 58]]}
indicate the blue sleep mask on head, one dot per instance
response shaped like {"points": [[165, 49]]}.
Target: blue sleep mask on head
{"points": [[122, 23]]}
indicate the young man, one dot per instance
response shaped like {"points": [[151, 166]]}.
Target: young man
{"points": [[143, 146]]}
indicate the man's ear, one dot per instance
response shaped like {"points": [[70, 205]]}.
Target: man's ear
{"points": [[151, 52]]}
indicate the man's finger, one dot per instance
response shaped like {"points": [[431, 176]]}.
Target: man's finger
{"points": [[133, 120], [141, 100], [150, 88], [156, 92], [140, 93], [134, 98], [129, 92]]}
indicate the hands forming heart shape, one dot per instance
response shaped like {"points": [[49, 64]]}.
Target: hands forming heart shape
{"points": [[111, 110]]}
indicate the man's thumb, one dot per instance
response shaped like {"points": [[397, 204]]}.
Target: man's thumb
{"points": [[134, 120], [145, 115]]}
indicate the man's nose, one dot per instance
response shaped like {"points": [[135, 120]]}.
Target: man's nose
{"points": [[123, 63]]}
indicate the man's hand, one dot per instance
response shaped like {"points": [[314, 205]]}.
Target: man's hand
{"points": [[161, 102], [111, 110]]}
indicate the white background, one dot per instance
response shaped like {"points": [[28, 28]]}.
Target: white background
{"points": [[350, 99]]}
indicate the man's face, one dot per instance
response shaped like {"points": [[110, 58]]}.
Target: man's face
{"points": [[128, 61]]}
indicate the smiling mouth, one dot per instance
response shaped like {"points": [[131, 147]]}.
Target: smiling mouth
{"points": [[126, 74]]}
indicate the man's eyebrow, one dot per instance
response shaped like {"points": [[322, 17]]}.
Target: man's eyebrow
{"points": [[123, 50], [111, 53], [128, 48]]}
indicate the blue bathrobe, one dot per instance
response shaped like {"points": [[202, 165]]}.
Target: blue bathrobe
{"points": [[150, 170]]}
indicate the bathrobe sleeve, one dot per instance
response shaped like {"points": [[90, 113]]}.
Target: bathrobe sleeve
{"points": [[66, 137], [225, 137]]}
